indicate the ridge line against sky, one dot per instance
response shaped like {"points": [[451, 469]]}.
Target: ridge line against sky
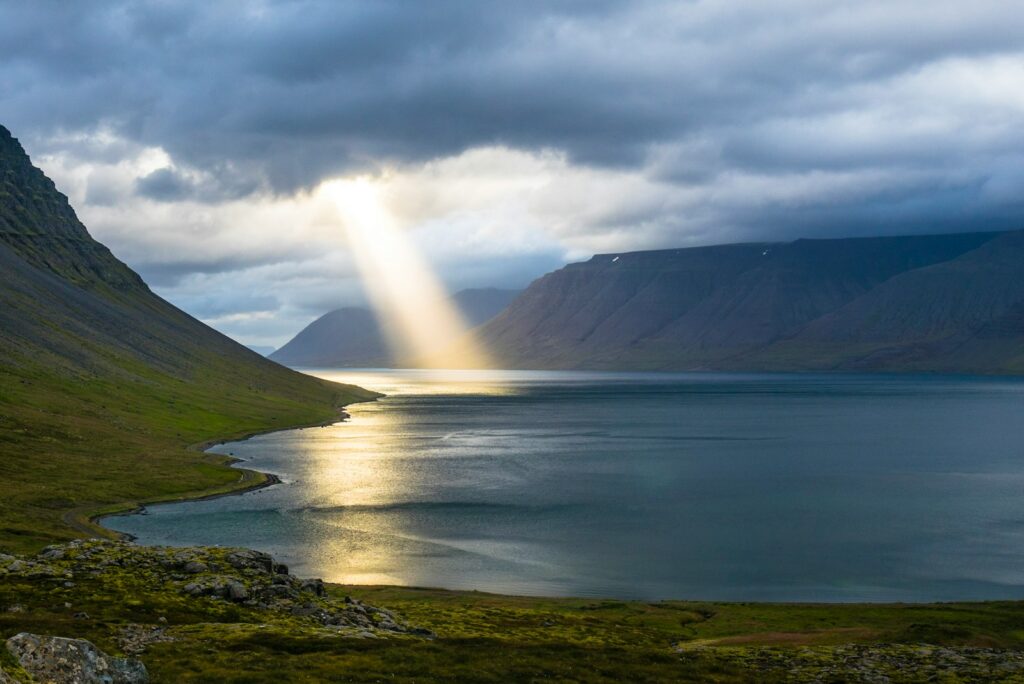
{"points": [[193, 137]]}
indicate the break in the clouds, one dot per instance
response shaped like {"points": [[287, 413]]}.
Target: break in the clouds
{"points": [[507, 137]]}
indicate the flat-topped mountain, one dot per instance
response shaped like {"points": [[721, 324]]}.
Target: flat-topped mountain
{"points": [[102, 383], [929, 303], [354, 337]]}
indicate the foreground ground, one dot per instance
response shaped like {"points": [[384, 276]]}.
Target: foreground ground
{"points": [[216, 615]]}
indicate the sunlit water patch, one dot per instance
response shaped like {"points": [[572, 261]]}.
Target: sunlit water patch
{"points": [[752, 487]]}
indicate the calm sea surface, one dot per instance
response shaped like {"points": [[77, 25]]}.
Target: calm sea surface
{"points": [[736, 487]]}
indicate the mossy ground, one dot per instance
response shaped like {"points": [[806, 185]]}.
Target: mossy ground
{"points": [[491, 638]]}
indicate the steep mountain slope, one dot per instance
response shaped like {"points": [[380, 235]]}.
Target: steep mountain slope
{"points": [[480, 304], [962, 314], [103, 384], [353, 337], [708, 307]]}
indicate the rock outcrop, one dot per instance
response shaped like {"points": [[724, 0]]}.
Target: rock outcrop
{"points": [[243, 577], [72, 661]]}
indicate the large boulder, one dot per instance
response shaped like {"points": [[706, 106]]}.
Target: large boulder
{"points": [[72, 661], [243, 559]]}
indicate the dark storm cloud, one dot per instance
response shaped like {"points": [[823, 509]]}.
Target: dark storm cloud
{"points": [[300, 90], [741, 119], [170, 185], [291, 92], [166, 274], [164, 184]]}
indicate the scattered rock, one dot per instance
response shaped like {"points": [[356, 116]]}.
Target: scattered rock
{"points": [[30, 569], [237, 591], [251, 579], [252, 560], [305, 610], [135, 638], [420, 631], [60, 660], [52, 553]]}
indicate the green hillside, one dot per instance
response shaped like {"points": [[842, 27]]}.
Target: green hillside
{"points": [[104, 386]]}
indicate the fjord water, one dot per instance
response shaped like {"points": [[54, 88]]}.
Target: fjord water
{"points": [[707, 486]]}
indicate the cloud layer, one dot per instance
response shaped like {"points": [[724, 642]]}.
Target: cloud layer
{"points": [[193, 136]]}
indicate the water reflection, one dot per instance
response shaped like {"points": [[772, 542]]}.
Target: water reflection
{"points": [[369, 480], [734, 487], [428, 381]]}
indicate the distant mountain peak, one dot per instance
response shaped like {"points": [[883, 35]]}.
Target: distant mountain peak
{"points": [[355, 337]]}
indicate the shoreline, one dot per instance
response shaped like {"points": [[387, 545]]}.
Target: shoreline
{"points": [[89, 520], [254, 480]]}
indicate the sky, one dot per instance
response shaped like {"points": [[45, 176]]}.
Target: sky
{"points": [[505, 139]]}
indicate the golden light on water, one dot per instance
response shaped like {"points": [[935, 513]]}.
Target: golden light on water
{"points": [[424, 328], [359, 475]]}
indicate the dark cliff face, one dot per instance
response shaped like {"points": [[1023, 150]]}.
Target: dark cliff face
{"points": [[811, 304], [38, 224], [31, 204], [352, 337]]}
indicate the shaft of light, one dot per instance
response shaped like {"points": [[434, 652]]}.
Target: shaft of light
{"points": [[422, 325]]}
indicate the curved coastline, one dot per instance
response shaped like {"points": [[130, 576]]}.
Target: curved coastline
{"points": [[89, 520]]}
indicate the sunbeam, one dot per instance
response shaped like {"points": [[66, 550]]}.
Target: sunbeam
{"points": [[420, 321]]}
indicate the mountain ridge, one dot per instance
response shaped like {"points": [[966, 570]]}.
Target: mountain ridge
{"points": [[756, 306]]}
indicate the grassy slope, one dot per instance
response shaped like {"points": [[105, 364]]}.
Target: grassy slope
{"points": [[71, 447], [103, 385]]}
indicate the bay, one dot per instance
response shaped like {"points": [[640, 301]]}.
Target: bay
{"points": [[703, 486]]}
